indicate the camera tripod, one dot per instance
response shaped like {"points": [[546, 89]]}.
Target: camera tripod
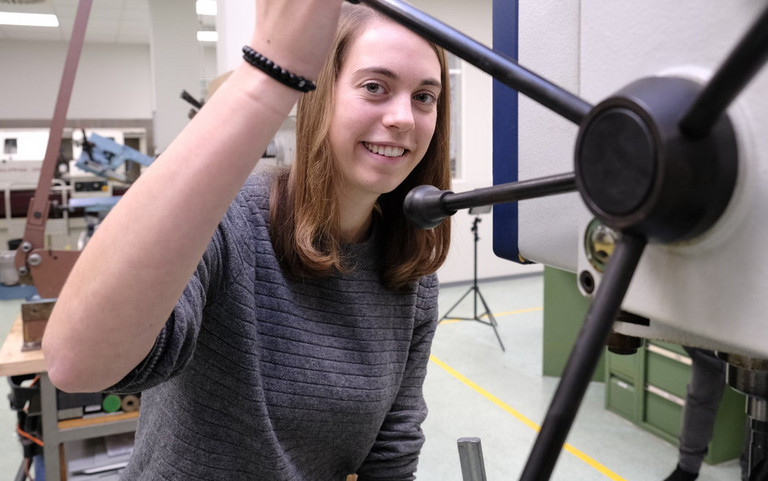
{"points": [[478, 295]]}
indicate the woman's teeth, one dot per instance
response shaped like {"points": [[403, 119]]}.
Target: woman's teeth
{"points": [[385, 150]]}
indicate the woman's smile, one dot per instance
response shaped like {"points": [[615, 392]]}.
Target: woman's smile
{"points": [[385, 150]]}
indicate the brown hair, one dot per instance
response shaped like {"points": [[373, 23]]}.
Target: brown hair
{"points": [[304, 215]]}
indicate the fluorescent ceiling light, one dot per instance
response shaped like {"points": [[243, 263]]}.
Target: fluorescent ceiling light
{"points": [[206, 7], [207, 35], [29, 19]]}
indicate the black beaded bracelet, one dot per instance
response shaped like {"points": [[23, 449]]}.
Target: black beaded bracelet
{"points": [[277, 72]]}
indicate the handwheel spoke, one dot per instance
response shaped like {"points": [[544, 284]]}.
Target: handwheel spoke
{"points": [[426, 206], [512, 191], [734, 74], [502, 68], [584, 358]]}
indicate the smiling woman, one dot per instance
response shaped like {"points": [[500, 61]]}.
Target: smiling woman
{"points": [[286, 334], [371, 93], [384, 106]]}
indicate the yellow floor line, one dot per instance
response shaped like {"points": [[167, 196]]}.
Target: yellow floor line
{"points": [[508, 313], [522, 418]]}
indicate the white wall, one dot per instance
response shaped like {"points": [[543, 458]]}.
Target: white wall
{"points": [[112, 82], [116, 82]]}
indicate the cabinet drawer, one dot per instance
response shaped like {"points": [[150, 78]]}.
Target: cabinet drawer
{"points": [[667, 370], [621, 398], [663, 411], [624, 366]]}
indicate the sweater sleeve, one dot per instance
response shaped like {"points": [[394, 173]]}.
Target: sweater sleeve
{"points": [[175, 345], [395, 453]]}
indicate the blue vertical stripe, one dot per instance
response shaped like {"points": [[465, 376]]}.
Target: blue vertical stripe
{"points": [[505, 132]]}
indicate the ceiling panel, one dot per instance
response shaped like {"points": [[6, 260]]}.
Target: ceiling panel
{"points": [[110, 21]]}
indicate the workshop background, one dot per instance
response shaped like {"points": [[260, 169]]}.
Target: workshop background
{"points": [[129, 86]]}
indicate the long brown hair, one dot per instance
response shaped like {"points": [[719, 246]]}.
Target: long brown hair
{"points": [[304, 214]]}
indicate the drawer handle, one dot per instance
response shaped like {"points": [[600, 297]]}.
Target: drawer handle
{"points": [[669, 354], [666, 395]]}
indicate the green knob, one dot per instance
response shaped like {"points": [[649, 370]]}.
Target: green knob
{"points": [[111, 403]]}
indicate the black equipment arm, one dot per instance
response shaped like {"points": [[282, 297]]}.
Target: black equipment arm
{"points": [[426, 206], [746, 59], [584, 357]]}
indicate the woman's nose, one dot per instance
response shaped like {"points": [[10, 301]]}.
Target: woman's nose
{"points": [[399, 113]]}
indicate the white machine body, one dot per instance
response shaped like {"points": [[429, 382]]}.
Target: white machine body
{"points": [[711, 291]]}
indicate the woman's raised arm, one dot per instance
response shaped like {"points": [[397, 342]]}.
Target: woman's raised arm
{"points": [[127, 280]]}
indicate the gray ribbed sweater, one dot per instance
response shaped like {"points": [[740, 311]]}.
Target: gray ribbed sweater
{"points": [[257, 377]]}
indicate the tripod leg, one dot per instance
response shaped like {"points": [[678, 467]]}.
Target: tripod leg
{"points": [[456, 304], [490, 317]]}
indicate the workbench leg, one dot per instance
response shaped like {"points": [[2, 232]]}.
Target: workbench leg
{"points": [[49, 414]]}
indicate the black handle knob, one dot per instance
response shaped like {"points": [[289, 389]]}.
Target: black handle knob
{"points": [[424, 206]]}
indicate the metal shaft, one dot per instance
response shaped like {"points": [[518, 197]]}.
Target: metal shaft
{"points": [[471, 459], [37, 213], [426, 206], [746, 59], [511, 192], [501, 67], [584, 358]]}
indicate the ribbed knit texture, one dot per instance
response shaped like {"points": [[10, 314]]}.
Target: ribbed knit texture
{"points": [[257, 377]]}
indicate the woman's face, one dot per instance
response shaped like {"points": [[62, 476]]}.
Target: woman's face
{"points": [[385, 110]]}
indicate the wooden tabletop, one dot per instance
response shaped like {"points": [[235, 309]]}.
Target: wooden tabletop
{"points": [[14, 361]]}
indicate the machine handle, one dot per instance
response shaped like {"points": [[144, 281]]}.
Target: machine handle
{"points": [[426, 206], [744, 61], [584, 357]]}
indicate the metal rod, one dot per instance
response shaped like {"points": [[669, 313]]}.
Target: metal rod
{"points": [[511, 191], [502, 68], [584, 358], [746, 59], [471, 459], [36, 215], [426, 206]]}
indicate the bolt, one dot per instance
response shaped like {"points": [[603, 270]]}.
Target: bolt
{"points": [[600, 241], [23, 271], [35, 260], [26, 246], [587, 281]]}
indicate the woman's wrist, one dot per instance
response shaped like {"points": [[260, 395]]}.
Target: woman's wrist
{"points": [[275, 71]]}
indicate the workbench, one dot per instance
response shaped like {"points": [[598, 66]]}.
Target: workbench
{"points": [[14, 362]]}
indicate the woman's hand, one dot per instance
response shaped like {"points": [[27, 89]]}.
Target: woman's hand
{"points": [[296, 34]]}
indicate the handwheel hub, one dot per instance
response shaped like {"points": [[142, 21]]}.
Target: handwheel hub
{"points": [[637, 172]]}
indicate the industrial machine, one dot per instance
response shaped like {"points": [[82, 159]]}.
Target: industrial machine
{"points": [[670, 174]]}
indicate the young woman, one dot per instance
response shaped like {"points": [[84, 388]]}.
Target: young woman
{"points": [[282, 335]]}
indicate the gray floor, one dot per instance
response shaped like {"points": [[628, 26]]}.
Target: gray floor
{"points": [[502, 394], [475, 390]]}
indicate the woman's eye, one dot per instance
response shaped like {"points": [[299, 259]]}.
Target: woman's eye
{"points": [[373, 87], [426, 98]]}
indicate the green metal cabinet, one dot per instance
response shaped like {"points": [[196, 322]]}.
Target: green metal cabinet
{"points": [[648, 389]]}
